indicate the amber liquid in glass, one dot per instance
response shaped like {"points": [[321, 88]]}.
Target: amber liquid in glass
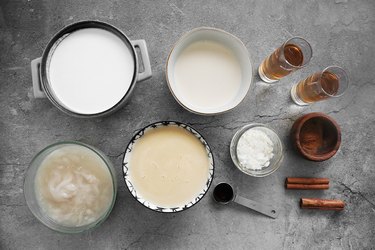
{"points": [[275, 69], [309, 90]]}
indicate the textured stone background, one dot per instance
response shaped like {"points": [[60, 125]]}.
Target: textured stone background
{"points": [[341, 32]]}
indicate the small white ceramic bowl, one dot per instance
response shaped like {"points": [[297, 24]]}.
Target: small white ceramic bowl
{"points": [[227, 40]]}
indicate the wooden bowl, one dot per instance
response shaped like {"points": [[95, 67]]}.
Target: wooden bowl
{"points": [[316, 136]]}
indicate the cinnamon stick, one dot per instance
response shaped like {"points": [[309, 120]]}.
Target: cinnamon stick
{"points": [[301, 180], [307, 187], [322, 204], [306, 183]]}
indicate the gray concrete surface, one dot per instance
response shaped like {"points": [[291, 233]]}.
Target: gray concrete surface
{"points": [[341, 32]]}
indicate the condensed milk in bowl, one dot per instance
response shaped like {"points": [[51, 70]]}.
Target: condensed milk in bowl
{"points": [[209, 71], [89, 69], [168, 166]]}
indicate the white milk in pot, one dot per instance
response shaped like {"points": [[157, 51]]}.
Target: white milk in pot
{"points": [[90, 70]]}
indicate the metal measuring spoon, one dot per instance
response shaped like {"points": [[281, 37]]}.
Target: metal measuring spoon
{"points": [[224, 193]]}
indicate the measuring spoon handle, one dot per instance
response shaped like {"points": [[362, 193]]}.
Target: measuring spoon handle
{"points": [[258, 207]]}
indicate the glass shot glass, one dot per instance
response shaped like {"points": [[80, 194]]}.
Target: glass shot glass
{"points": [[294, 54], [331, 82]]}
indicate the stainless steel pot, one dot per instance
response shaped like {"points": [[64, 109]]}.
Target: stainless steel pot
{"points": [[39, 66]]}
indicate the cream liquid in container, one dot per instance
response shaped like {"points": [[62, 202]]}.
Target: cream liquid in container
{"points": [[208, 74], [209, 71], [89, 69], [168, 166]]}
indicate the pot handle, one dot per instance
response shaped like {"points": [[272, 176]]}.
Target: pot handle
{"points": [[147, 72], [35, 73]]}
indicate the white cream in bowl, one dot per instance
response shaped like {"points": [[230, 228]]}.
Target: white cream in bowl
{"points": [[209, 71], [208, 74]]}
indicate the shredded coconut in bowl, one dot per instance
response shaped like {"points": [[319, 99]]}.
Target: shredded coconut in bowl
{"points": [[254, 150]]}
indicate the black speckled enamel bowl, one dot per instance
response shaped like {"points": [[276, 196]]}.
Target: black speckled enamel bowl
{"points": [[126, 165]]}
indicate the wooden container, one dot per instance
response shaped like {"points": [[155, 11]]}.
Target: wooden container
{"points": [[316, 136]]}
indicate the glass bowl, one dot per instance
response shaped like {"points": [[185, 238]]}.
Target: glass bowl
{"points": [[275, 161], [31, 196]]}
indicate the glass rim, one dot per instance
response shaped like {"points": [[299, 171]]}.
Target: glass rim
{"points": [[327, 70], [286, 42]]}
